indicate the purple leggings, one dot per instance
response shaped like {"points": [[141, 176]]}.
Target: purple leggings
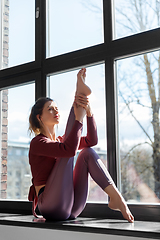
{"points": [[66, 190]]}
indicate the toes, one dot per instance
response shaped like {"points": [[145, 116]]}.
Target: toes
{"points": [[131, 219]]}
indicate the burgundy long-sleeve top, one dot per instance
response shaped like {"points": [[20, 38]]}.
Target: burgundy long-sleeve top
{"points": [[43, 151]]}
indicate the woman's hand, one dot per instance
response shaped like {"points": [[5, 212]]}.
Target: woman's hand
{"points": [[79, 112], [83, 101]]}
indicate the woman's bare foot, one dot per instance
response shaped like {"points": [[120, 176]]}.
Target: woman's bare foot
{"points": [[118, 203], [82, 88]]}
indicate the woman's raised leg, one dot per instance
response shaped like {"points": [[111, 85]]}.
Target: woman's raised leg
{"points": [[70, 122], [57, 199]]}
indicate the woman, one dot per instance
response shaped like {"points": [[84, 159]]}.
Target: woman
{"points": [[60, 191]]}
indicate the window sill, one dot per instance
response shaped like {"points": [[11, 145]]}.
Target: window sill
{"points": [[148, 230], [141, 212], [96, 217]]}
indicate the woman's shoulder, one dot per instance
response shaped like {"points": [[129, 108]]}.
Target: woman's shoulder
{"points": [[38, 138], [38, 143]]}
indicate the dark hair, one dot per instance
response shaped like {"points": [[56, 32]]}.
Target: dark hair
{"points": [[34, 125]]}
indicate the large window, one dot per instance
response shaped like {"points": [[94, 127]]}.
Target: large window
{"points": [[138, 101], [16, 104], [73, 25], [136, 16], [43, 44], [17, 37]]}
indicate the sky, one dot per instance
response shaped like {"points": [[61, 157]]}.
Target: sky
{"points": [[72, 25]]}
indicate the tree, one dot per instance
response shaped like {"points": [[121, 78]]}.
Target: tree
{"points": [[138, 16], [133, 16]]}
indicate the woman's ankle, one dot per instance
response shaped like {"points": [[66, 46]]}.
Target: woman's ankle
{"points": [[112, 191], [83, 89]]}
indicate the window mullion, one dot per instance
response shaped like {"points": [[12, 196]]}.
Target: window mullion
{"points": [[110, 92], [108, 22], [40, 46], [112, 136]]}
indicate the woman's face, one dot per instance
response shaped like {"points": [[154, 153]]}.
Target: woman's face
{"points": [[50, 115]]}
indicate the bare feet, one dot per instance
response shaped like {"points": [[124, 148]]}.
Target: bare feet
{"points": [[82, 88], [118, 203]]}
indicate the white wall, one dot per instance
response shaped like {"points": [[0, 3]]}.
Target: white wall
{"points": [[24, 233]]}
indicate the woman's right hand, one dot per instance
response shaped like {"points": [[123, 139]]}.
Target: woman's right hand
{"points": [[83, 101], [79, 112]]}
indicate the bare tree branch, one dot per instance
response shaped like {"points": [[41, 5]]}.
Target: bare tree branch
{"points": [[128, 19], [92, 7], [135, 117], [139, 144], [150, 81]]}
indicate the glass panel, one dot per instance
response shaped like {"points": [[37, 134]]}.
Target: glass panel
{"points": [[17, 32], [139, 132], [136, 16], [64, 97], [73, 25], [15, 170]]}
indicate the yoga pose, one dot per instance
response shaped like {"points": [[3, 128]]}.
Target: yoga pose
{"points": [[61, 190]]}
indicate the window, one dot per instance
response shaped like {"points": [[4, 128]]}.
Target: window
{"points": [[136, 16], [18, 32], [81, 16], [138, 107], [14, 132], [45, 45]]}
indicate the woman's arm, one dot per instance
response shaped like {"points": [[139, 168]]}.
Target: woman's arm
{"points": [[91, 139], [43, 146]]}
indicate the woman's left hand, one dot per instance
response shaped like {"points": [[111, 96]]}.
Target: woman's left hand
{"points": [[83, 101]]}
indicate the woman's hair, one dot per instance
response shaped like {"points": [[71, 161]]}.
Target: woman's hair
{"points": [[34, 125]]}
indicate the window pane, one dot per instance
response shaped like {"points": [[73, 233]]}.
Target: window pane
{"points": [[73, 25], [136, 16], [15, 171], [17, 32], [139, 131], [64, 97]]}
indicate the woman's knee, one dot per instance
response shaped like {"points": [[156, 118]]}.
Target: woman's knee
{"points": [[88, 152], [54, 214]]}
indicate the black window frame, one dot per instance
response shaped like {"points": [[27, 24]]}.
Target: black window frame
{"points": [[107, 52]]}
